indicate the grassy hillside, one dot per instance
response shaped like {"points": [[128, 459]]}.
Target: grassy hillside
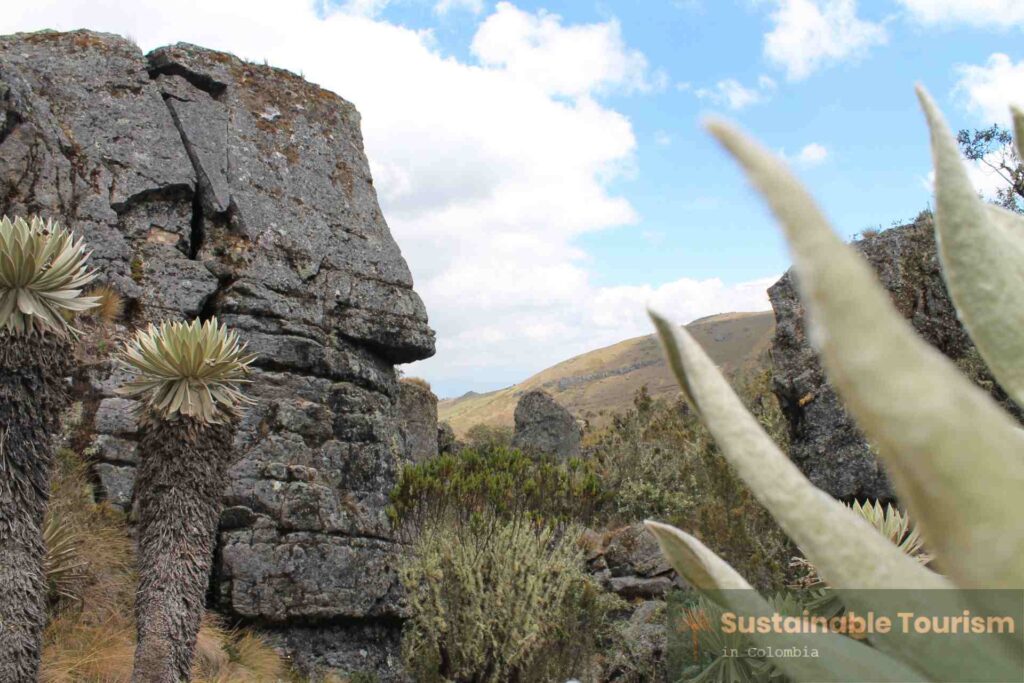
{"points": [[599, 383]]}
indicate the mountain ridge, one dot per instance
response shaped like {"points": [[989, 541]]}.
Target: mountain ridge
{"points": [[596, 384]]}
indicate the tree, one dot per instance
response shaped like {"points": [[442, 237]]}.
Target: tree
{"points": [[994, 148], [42, 272], [189, 376]]}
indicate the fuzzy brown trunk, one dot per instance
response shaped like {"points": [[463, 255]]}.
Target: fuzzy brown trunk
{"points": [[180, 481], [32, 398]]}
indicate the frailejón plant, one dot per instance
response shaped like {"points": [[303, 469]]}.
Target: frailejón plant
{"points": [[189, 378], [955, 457], [42, 273]]}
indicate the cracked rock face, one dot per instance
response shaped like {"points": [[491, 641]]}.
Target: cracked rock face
{"points": [[208, 186], [824, 441]]}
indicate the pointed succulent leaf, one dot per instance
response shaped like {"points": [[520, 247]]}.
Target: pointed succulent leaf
{"points": [[42, 273], [184, 367], [844, 547], [982, 251], [953, 453], [840, 658], [1018, 129]]}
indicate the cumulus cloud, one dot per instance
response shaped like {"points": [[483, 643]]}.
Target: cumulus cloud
{"points": [[488, 171], [809, 35], [980, 13], [990, 89], [732, 94], [571, 60]]}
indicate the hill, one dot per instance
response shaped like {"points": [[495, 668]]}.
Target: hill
{"points": [[599, 383]]}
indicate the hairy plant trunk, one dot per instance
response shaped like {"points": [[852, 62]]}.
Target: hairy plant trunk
{"points": [[32, 398], [181, 477]]}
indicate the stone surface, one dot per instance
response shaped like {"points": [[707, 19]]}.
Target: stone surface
{"points": [[632, 550], [544, 426], [446, 441], [417, 408], [209, 186], [824, 441], [116, 484]]}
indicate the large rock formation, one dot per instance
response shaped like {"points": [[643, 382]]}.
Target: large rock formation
{"points": [[417, 407], [545, 426], [825, 442], [209, 186]]}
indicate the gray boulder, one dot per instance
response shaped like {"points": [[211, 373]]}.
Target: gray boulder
{"points": [[205, 185], [824, 441], [417, 408], [544, 426]]}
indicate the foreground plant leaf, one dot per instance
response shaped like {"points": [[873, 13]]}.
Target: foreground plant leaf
{"points": [[840, 658], [843, 546], [953, 454], [982, 252]]}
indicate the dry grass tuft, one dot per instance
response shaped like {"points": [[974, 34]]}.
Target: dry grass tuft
{"points": [[110, 306], [418, 381], [91, 638]]}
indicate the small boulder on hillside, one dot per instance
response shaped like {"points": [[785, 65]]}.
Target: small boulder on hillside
{"points": [[446, 441], [417, 419], [545, 426]]}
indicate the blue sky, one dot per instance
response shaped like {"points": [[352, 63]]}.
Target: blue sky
{"points": [[542, 164]]}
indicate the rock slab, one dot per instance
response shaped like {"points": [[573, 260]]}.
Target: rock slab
{"points": [[417, 408], [542, 425]]}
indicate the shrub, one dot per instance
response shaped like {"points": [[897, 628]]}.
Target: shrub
{"points": [[662, 463], [483, 437], [500, 599], [504, 482]]}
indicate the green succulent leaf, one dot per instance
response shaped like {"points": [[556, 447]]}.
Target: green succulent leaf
{"points": [[42, 273], [191, 369], [982, 252], [953, 453], [840, 658], [843, 546], [1018, 129]]}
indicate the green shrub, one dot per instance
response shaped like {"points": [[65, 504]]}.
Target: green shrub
{"points": [[501, 599], [505, 482], [662, 463], [484, 437]]}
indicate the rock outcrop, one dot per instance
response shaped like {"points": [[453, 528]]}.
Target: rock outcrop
{"points": [[208, 186], [824, 441], [544, 426], [417, 408]]}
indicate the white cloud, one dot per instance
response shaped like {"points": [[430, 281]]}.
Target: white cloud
{"points": [[990, 89], [811, 34], [981, 13], [487, 173], [731, 93], [443, 7], [982, 173], [812, 154], [662, 138], [564, 60]]}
